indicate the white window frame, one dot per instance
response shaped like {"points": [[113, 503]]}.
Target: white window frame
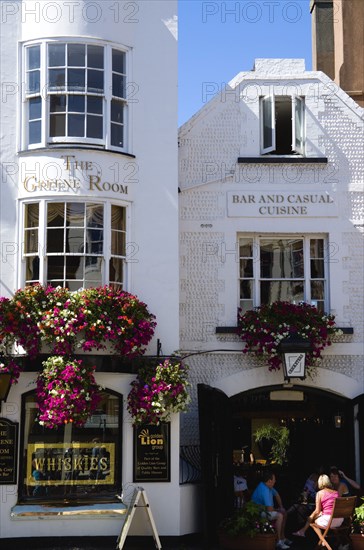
{"points": [[46, 140], [298, 130], [256, 262], [42, 239]]}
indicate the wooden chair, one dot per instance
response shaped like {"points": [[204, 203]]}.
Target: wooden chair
{"points": [[343, 508]]}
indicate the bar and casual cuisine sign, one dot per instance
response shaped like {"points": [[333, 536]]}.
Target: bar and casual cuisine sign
{"points": [[152, 452], [8, 452]]}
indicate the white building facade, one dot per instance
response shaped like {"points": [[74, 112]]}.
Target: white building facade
{"points": [[270, 168], [89, 141]]}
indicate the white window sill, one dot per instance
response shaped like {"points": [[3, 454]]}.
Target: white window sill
{"points": [[87, 511]]}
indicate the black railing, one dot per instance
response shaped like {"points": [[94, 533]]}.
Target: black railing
{"points": [[189, 464]]}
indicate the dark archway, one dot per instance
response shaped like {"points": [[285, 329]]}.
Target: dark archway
{"points": [[315, 439]]}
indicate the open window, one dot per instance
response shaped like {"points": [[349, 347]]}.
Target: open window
{"points": [[282, 125]]}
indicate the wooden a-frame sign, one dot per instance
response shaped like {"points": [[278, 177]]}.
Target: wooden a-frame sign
{"points": [[139, 500]]}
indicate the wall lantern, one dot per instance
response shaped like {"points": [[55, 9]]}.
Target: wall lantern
{"points": [[293, 349], [338, 420], [5, 383]]}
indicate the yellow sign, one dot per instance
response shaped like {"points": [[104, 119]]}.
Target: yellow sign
{"points": [[70, 464]]}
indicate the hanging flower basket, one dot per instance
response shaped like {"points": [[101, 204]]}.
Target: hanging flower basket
{"points": [[158, 392], [263, 328], [66, 392]]}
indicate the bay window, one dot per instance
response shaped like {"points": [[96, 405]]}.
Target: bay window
{"points": [[83, 244], [75, 93], [285, 268]]}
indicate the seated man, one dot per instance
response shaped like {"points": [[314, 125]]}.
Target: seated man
{"points": [[265, 494]]}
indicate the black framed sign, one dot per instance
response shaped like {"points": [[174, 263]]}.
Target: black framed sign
{"points": [[152, 452], [8, 451]]}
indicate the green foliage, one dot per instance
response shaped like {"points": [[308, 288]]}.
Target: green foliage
{"points": [[358, 519], [279, 435], [247, 521]]}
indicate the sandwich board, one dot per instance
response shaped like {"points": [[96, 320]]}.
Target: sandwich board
{"points": [[138, 500]]}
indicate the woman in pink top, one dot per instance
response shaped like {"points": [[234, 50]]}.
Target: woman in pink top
{"points": [[325, 499]]}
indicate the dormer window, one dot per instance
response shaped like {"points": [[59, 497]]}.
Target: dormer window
{"points": [[282, 125]]}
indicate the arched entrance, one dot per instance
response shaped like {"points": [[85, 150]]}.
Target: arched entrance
{"points": [[320, 425], [228, 423]]}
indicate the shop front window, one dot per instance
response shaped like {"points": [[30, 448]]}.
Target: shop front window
{"points": [[72, 463]]}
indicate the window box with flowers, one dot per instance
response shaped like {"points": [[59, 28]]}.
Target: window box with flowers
{"points": [[263, 328], [66, 322]]}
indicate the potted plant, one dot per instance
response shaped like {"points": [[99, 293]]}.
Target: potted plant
{"points": [[278, 439], [247, 528], [357, 534]]}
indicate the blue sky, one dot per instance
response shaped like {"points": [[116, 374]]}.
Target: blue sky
{"points": [[218, 39]]}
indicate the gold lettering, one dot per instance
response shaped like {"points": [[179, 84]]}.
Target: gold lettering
{"points": [[103, 463]]}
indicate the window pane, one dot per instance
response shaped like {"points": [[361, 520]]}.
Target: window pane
{"points": [[33, 82], [116, 270], [118, 85], [246, 305], [117, 109], [246, 268], [95, 57], [118, 61], [55, 268], [32, 269], [93, 270], [55, 214], [76, 79], [245, 248], [94, 105], [74, 267], [56, 55], [94, 126], [76, 55], [118, 217], [267, 123], [94, 215], [118, 243], [57, 125], [35, 132], [290, 291], [75, 214], [31, 241], [31, 215], [246, 289], [76, 103], [317, 290], [317, 248], [117, 135], [56, 79], [95, 81], [75, 240], [54, 240], [94, 241], [35, 108], [281, 258], [76, 125], [57, 103], [317, 269], [33, 57]]}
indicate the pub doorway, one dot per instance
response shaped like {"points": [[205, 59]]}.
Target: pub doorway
{"points": [[227, 426], [320, 426]]}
